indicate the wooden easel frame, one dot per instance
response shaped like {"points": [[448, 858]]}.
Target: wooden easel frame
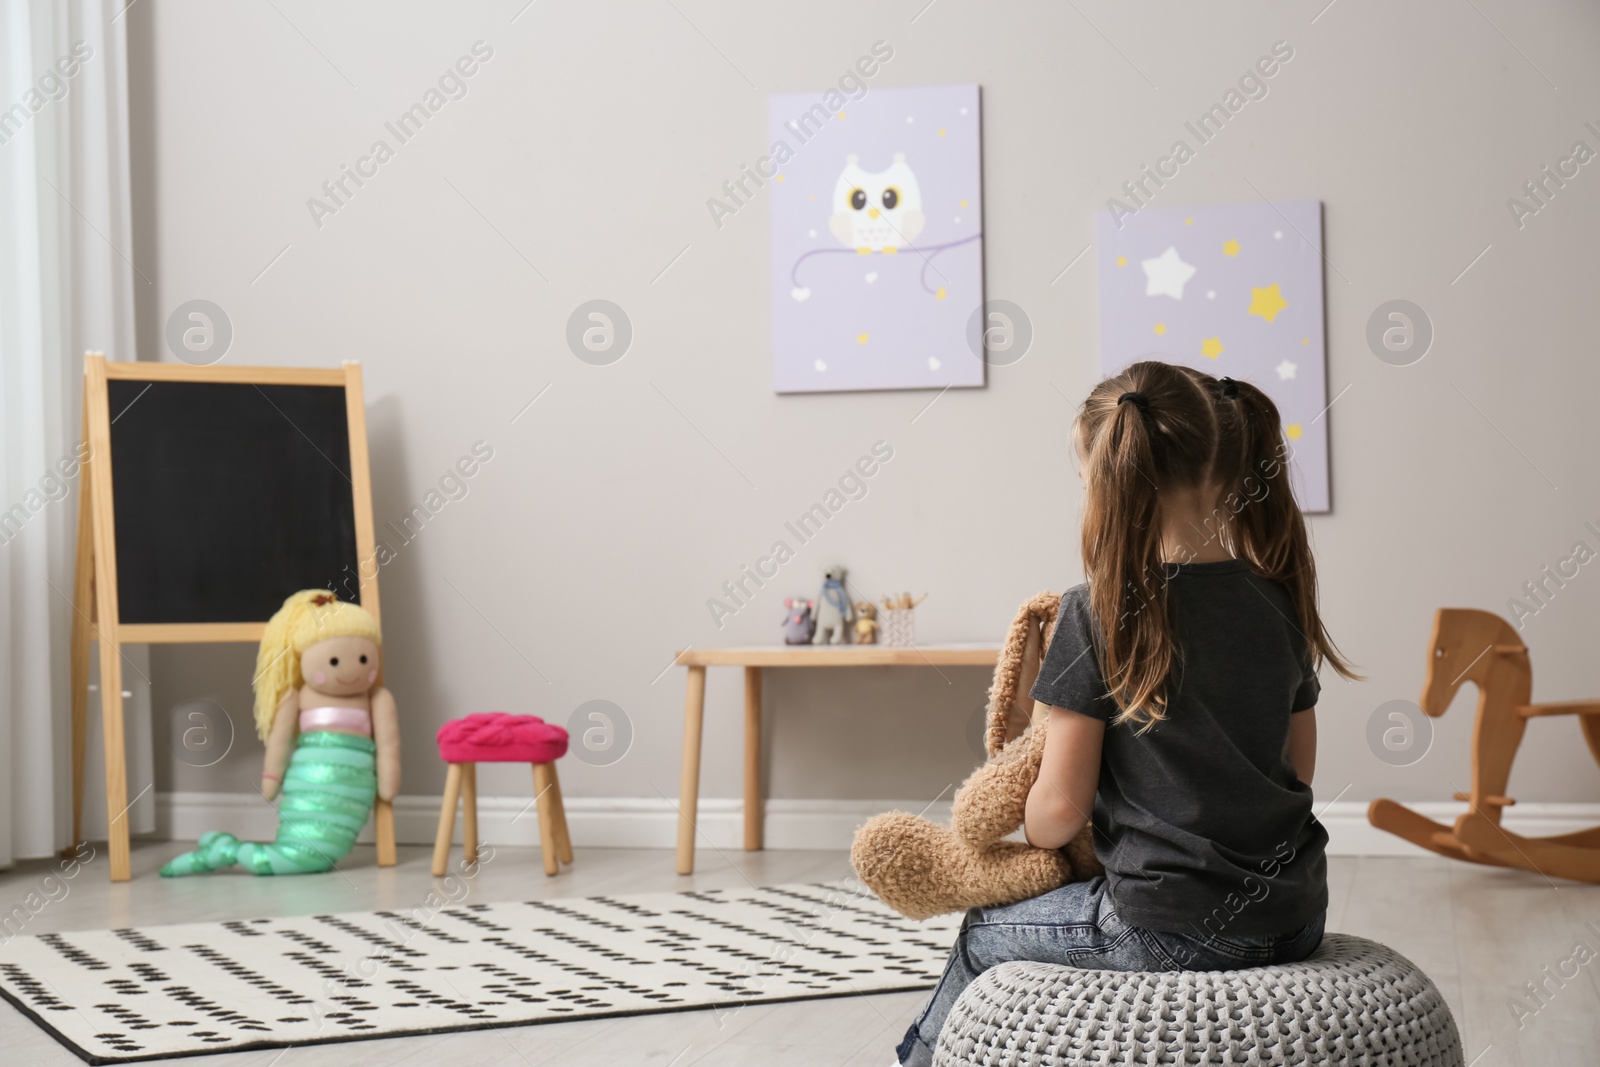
{"points": [[94, 593]]}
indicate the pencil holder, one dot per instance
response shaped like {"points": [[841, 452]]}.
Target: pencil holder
{"points": [[899, 627]]}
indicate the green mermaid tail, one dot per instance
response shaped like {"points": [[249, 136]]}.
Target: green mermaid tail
{"points": [[328, 792]]}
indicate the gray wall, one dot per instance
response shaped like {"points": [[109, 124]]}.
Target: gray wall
{"points": [[578, 166]]}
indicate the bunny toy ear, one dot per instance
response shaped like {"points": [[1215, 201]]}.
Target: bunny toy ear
{"points": [[1010, 705]]}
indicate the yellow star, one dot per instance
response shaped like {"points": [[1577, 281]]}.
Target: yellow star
{"points": [[1305, 340], [841, 114], [1161, 328], [941, 133], [1211, 347], [1292, 431], [1189, 221], [1267, 302], [941, 294], [963, 203], [1230, 248], [861, 339], [1122, 261]]}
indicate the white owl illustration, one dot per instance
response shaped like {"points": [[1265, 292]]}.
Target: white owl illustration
{"points": [[877, 212]]}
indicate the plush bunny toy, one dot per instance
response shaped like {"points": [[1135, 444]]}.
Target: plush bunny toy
{"points": [[920, 868]]}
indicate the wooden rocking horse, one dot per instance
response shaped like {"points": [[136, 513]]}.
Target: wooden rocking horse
{"points": [[1482, 648]]}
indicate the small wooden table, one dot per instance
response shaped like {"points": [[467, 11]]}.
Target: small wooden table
{"points": [[753, 660]]}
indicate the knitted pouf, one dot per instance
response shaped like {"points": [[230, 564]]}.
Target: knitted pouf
{"points": [[1353, 1003]]}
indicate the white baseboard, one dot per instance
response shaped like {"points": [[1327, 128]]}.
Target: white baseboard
{"points": [[641, 822]]}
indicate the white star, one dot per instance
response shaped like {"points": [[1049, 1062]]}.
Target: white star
{"points": [[1166, 274], [1277, 235], [1211, 294], [1286, 370]]}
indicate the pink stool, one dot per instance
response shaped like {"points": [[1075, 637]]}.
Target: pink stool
{"points": [[496, 737]]}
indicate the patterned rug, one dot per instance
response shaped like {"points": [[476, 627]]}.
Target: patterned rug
{"points": [[119, 996]]}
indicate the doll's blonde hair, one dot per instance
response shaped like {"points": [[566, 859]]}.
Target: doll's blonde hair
{"points": [[307, 617]]}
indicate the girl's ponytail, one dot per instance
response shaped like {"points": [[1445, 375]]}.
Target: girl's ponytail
{"points": [[1269, 528], [1150, 429]]}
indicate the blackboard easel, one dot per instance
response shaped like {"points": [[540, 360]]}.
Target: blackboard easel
{"points": [[205, 602]]}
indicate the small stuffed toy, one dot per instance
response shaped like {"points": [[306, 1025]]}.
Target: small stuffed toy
{"points": [[835, 612], [332, 736], [798, 624], [866, 623], [922, 869]]}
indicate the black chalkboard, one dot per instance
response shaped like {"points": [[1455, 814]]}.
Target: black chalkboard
{"points": [[228, 496]]}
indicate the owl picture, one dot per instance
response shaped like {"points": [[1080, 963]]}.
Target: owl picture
{"points": [[877, 212]]}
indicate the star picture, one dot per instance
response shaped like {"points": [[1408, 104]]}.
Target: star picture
{"points": [[1255, 313]]}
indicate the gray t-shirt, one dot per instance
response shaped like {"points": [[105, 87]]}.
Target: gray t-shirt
{"points": [[1201, 823]]}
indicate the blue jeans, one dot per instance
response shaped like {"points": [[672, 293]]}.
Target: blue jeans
{"points": [[1077, 926]]}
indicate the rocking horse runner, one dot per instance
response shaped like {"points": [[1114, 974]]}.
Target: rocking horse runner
{"points": [[1482, 648]]}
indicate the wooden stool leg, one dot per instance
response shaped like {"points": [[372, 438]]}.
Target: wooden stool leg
{"points": [[447, 820], [542, 788], [469, 813], [563, 839]]}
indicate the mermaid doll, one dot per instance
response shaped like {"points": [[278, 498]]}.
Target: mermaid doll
{"points": [[332, 739]]}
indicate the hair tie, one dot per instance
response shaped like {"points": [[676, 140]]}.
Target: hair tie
{"points": [[1229, 387], [1139, 400]]}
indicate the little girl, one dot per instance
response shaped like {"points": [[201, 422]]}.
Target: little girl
{"points": [[1182, 687]]}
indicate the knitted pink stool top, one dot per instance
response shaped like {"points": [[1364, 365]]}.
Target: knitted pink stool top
{"points": [[499, 737]]}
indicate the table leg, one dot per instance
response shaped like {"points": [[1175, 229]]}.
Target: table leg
{"points": [[752, 760], [694, 713]]}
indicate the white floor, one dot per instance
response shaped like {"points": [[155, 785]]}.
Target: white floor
{"points": [[1480, 933]]}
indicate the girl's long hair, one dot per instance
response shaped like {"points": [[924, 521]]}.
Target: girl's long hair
{"points": [[1149, 431], [1265, 524]]}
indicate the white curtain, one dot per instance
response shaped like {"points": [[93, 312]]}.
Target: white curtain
{"points": [[66, 285]]}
